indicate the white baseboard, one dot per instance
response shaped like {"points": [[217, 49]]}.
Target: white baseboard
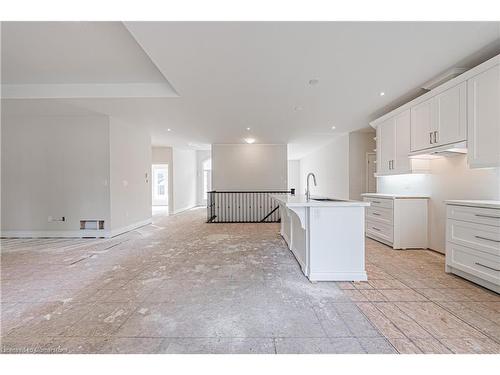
{"points": [[128, 228], [73, 233], [338, 276], [53, 233]]}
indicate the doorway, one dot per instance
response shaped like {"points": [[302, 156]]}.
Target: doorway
{"points": [[371, 169], [207, 179], [160, 185]]}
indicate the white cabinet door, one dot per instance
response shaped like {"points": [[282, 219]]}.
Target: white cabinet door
{"points": [[421, 126], [401, 163], [450, 120], [483, 119], [386, 143]]}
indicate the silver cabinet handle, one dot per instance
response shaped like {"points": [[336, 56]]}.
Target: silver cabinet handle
{"points": [[378, 230], [487, 239], [376, 214], [430, 138], [488, 216], [435, 137], [375, 201], [482, 265]]}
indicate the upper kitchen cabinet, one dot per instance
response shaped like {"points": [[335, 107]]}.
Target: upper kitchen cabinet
{"points": [[393, 147], [451, 124], [402, 163], [459, 116], [483, 107], [385, 146], [440, 120], [421, 126]]}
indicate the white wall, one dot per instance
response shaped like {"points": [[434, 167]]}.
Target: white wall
{"points": [[163, 155], [184, 180], [54, 166], [450, 178], [294, 175], [249, 167], [359, 144], [79, 167], [330, 164], [201, 156], [130, 176]]}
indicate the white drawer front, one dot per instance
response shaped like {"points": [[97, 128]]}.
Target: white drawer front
{"points": [[379, 202], [477, 236], [488, 216], [479, 264], [383, 215], [380, 230]]}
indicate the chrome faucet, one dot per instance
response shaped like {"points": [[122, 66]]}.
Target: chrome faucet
{"points": [[308, 191]]}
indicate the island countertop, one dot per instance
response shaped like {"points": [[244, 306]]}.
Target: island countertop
{"points": [[301, 201]]}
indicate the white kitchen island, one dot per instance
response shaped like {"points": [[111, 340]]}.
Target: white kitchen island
{"points": [[326, 237]]}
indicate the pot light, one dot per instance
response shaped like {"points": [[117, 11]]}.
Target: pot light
{"points": [[249, 140], [334, 127], [248, 128], [169, 129], [382, 93]]}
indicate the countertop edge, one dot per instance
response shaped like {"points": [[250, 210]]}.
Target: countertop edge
{"points": [[395, 196], [473, 203], [346, 203]]}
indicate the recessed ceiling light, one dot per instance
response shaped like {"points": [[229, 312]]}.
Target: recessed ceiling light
{"points": [[249, 140], [169, 129], [334, 127], [297, 108], [313, 82], [382, 93], [248, 128]]}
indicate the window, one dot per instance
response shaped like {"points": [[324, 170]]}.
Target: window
{"points": [[160, 187]]}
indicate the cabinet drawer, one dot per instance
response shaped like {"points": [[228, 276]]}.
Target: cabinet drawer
{"points": [[383, 215], [379, 202], [479, 215], [380, 230], [476, 263], [477, 236]]}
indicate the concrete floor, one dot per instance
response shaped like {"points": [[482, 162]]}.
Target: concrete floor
{"points": [[183, 286]]}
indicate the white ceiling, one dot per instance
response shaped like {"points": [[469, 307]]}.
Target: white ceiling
{"points": [[73, 52], [229, 76]]}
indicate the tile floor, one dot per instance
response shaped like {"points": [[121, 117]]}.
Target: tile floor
{"points": [[183, 286]]}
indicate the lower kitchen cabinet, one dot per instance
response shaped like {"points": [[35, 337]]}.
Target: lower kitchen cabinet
{"points": [[398, 221], [473, 241]]}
